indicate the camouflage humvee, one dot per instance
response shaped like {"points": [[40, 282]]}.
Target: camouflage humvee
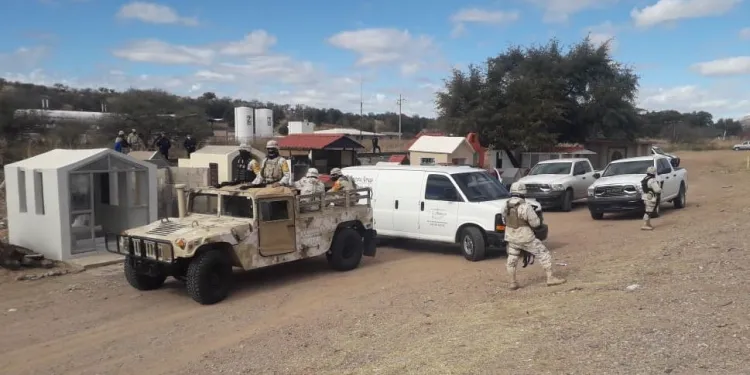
{"points": [[249, 228]]}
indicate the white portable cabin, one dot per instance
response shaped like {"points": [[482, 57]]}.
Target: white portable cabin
{"points": [[62, 202], [223, 159]]}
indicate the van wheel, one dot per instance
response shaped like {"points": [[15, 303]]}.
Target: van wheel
{"points": [[140, 280], [346, 251], [567, 201], [473, 244], [209, 277], [681, 199]]}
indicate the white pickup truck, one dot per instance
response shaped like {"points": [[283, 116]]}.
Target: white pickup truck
{"points": [[618, 188], [558, 182]]}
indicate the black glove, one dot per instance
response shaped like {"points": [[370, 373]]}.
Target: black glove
{"points": [[528, 258]]}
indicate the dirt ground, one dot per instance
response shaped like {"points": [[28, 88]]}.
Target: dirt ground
{"points": [[422, 309]]}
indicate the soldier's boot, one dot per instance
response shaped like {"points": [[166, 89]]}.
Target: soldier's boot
{"points": [[513, 285], [647, 222], [552, 280]]}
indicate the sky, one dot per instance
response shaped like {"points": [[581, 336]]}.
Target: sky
{"points": [[690, 54]]}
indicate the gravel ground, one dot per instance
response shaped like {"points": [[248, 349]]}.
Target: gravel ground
{"points": [[423, 309]]}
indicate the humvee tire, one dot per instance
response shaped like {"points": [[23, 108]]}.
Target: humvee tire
{"points": [[346, 250], [209, 277], [139, 280]]}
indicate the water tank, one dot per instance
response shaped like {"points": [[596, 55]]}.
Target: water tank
{"points": [[243, 125], [263, 123]]}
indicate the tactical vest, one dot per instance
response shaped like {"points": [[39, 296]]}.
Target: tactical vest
{"points": [[513, 220], [645, 184], [271, 169], [352, 184]]}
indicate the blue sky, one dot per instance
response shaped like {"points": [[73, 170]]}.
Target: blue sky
{"points": [[690, 54]]}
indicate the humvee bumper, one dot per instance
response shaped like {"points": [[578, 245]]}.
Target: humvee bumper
{"points": [[146, 249], [369, 242]]}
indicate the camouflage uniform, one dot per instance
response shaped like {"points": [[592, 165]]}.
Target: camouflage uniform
{"points": [[310, 184], [343, 183], [273, 169], [520, 218], [134, 142], [651, 190]]}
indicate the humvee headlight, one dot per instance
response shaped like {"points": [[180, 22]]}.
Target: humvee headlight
{"points": [[124, 244], [165, 251], [181, 243]]}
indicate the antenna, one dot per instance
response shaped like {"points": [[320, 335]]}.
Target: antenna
{"points": [[361, 103], [399, 102]]}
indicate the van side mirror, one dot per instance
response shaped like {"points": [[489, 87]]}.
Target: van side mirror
{"points": [[597, 175]]}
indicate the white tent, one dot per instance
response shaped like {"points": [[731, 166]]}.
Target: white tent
{"points": [[62, 202]]}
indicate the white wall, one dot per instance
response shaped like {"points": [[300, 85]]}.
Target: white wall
{"points": [[224, 162], [35, 231], [301, 127]]}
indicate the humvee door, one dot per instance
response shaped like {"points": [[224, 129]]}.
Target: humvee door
{"points": [[276, 228]]}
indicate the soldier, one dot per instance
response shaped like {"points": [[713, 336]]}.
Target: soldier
{"points": [[520, 218], [651, 196], [274, 169], [189, 145], [341, 182], [134, 140], [310, 184]]}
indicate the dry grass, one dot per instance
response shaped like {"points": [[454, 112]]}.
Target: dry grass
{"points": [[702, 145]]}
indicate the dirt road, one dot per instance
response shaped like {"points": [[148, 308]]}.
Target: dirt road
{"points": [[419, 309]]}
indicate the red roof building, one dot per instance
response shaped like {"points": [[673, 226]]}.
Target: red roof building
{"points": [[321, 151]]}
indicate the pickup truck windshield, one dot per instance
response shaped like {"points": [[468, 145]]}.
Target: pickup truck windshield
{"points": [[658, 150], [551, 168], [480, 186], [237, 206], [627, 167]]}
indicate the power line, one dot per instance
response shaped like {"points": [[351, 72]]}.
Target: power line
{"points": [[400, 101]]}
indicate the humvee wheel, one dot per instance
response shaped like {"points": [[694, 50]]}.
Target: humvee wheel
{"points": [[141, 280], [346, 250], [209, 277]]}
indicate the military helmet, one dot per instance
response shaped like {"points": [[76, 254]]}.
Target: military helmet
{"points": [[336, 172], [121, 132], [651, 171], [517, 188], [272, 144], [312, 172]]}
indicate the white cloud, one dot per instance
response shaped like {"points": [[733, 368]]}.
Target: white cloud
{"points": [[673, 10], [22, 58], [208, 75], [602, 33], [745, 33], [277, 68], [156, 51], [385, 46], [561, 10], [739, 65], [154, 13], [482, 16], [719, 101], [255, 43]]}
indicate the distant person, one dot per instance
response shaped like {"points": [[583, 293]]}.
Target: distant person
{"points": [[163, 144], [310, 184], [189, 145], [520, 219], [134, 141], [273, 169], [651, 196], [120, 142], [343, 183], [375, 145]]}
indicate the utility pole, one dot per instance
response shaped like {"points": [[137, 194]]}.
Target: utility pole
{"points": [[361, 103], [399, 102]]}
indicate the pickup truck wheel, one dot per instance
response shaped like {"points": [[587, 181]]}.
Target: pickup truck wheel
{"points": [[209, 277], [596, 215], [346, 251], [472, 244], [567, 201], [736, 149], [681, 199], [140, 280]]}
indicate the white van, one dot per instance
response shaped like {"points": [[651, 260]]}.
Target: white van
{"points": [[449, 204]]}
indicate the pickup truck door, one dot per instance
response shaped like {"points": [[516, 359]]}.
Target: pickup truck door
{"points": [[670, 184], [583, 176]]}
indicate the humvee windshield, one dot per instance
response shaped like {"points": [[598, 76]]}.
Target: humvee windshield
{"points": [[234, 206]]}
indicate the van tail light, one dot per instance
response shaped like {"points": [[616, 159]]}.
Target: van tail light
{"points": [[499, 223]]}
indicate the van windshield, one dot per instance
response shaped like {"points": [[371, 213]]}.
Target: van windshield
{"points": [[480, 186]]}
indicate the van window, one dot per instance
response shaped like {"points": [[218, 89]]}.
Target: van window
{"points": [[480, 186], [440, 188]]}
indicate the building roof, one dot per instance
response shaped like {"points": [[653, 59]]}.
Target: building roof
{"points": [[145, 155], [438, 145], [318, 142], [228, 149], [62, 159], [397, 158], [348, 131], [450, 169]]}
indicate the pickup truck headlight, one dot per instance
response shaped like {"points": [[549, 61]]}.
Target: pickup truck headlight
{"points": [[590, 190], [557, 187]]}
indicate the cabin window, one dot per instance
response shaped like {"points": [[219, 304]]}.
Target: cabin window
{"points": [[274, 210], [38, 193], [427, 161], [21, 190]]}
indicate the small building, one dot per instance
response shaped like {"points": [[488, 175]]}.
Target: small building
{"points": [[321, 151], [351, 132], [300, 127], [528, 159], [153, 157], [62, 202], [225, 163], [436, 150], [608, 150]]}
